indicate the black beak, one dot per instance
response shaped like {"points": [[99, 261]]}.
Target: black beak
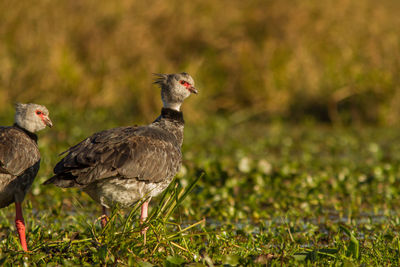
{"points": [[48, 122], [193, 90]]}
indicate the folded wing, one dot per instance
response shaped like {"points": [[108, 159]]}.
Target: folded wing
{"points": [[18, 152], [139, 153]]}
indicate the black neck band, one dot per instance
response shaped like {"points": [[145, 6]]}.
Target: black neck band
{"points": [[172, 114], [31, 135]]}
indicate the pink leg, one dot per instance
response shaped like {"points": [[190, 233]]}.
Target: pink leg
{"points": [[104, 218], [143, 216], [20, 224]]}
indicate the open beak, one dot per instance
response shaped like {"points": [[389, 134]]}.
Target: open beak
{"points": [[48, 122], [193, 90]]}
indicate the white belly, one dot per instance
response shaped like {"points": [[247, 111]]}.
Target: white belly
{"points": [[124, 192]]}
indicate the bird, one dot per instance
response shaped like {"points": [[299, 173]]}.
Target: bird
{"points": [[124, 165], [20, 158]]}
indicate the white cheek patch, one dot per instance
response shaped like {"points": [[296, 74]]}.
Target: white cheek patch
{"points": [[31, 124]]}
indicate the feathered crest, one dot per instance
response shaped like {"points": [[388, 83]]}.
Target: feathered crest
{"points": [[19, 106], [160, 78]]}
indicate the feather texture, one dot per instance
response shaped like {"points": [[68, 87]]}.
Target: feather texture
{"points": [[20, 158], [130, 155], [19, 163], [125, 164]]}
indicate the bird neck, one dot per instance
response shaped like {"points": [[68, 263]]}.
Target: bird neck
{"points": [[28, 133], [174, 106], [171, 121], [172, 114]]}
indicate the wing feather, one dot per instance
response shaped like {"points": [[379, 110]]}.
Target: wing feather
{"points": [[18, 151], [142, 153]]}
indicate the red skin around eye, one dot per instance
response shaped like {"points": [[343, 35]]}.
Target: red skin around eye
{"points": [[186, 84], [41, 115]]}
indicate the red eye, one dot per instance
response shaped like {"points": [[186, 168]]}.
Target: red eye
{"points": [[184, 83], [38, 112]]}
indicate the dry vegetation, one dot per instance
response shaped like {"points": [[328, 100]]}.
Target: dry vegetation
{"points": [[275, 193], [333, 60]]}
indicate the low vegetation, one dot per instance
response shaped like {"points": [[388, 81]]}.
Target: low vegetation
{"points": [[320, 189], [307, 194]]}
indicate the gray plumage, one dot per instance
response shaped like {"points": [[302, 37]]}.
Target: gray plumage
{"points": [[123, 165], [19, 153]]}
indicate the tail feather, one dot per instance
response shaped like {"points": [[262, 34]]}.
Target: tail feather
{"points": [[61, 181], [50, 180]]}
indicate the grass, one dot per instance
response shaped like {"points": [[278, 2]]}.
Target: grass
{"points": [[271, 194], [295, 194]]}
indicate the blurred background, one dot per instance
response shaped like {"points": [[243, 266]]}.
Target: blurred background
{"points": [[330, 61], [296, 120]]}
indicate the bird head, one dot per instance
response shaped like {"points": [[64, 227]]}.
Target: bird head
{"points": [[175, 88], [32, 117]]}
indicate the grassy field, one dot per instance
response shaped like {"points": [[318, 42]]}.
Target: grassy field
{"points": [[249, 193], [291, 151]]}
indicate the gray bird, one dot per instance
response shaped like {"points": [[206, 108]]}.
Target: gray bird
{"points": [[126, 164], [20, 158]]}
